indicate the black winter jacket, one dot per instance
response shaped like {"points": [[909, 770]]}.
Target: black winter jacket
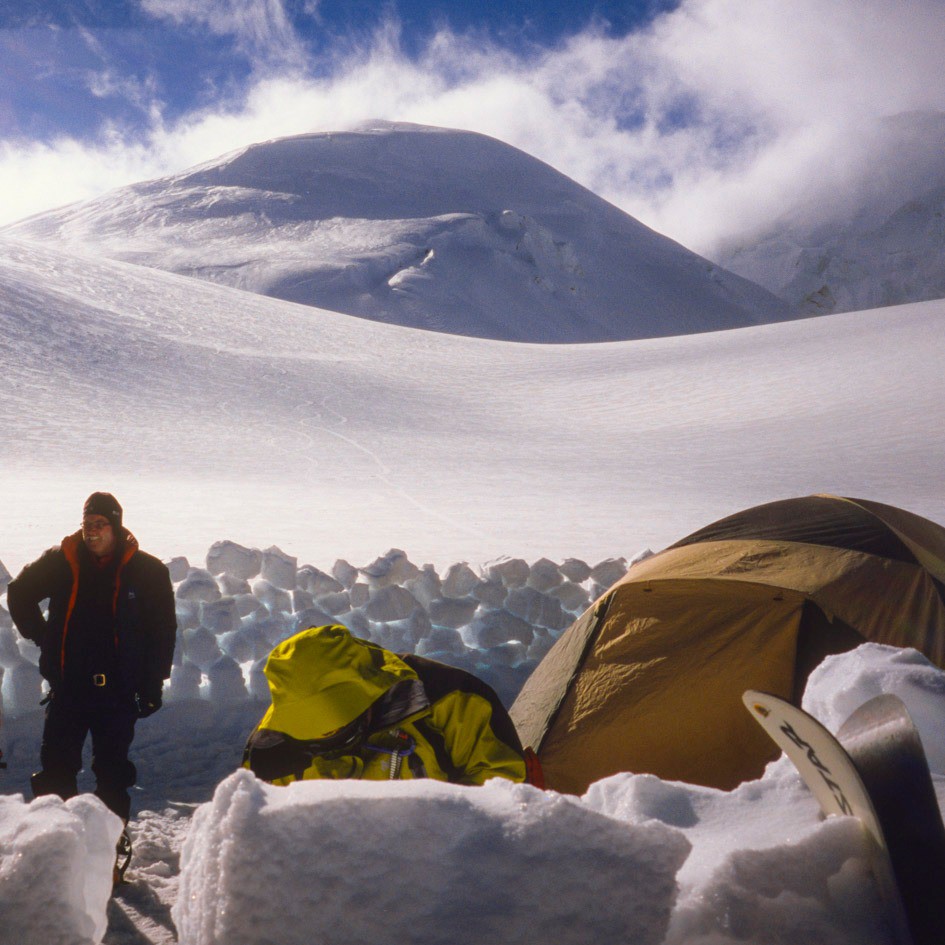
{"points": [[137, 639]]}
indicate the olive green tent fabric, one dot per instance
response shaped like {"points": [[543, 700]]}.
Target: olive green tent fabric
{"points": [[650, 678]]}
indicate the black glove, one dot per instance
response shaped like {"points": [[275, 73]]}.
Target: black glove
{"points": [[148, 704]]}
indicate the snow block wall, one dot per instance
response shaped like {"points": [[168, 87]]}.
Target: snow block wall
{"points": [[420, 862], [497, 622]]}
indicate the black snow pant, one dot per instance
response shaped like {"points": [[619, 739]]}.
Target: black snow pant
{"points": [[111, 723]]}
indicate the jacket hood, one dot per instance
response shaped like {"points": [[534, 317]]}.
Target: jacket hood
{"points": [[323, 678]]}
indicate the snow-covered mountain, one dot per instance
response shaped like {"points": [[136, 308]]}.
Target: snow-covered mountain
{"points": [[423, 227], [875, 240]]}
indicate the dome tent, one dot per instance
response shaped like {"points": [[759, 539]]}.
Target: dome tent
{"points": [[650, 677]]}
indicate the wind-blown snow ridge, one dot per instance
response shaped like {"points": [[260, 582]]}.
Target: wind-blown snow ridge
{"points": [[424, 227]]}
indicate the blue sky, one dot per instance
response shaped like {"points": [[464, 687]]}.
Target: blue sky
{"points": [[700, 117]]}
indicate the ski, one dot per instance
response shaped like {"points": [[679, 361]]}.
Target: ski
{"points": [[875, 770]]}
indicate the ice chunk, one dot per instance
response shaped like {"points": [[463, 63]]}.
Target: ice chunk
{"points": [[390, 602], [279, 569], [458, 865], [227, 557], [199, 585]]}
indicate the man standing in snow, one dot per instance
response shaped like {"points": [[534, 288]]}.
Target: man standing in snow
{"points": [[106, 648]]}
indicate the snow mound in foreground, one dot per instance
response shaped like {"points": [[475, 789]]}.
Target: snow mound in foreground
{"points": [[424, 863], [56, 862], [634, 860]]}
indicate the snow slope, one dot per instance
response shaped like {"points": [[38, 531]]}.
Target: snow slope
{"points": [[214, 413], [425, 227], [874, 240]]}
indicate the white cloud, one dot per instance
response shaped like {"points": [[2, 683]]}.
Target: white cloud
{"points": [[710, 122], [261, 28]]}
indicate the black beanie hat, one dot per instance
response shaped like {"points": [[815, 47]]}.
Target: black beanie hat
{"points": [[104, 503]]}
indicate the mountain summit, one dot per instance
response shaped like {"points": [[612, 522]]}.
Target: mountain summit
{"points": [[424, 227]]}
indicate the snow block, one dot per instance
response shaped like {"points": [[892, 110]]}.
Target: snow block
{"points": [[512, 572], [5, 578], [200, 586], [576, 570], [573, 597], [178, 568], [426, 587], [460, 581], [344, 573], [390, 603], [608, 572], [227, 557], [276, 599], [200, 647], [337, 603], [220, 616], [453, 613], [544, 575], [279, 569], [21, 688], [393, 568], [56, 863], [233, 586], [317, 582], [496, 627], [500, 863], [185, 681], [226, 681], [536, 608]]}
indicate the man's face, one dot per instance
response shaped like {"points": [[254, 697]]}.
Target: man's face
{"points": [[98, 535]]}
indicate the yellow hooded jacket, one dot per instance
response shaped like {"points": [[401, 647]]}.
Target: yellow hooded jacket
{"points": [[346, 708]]}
